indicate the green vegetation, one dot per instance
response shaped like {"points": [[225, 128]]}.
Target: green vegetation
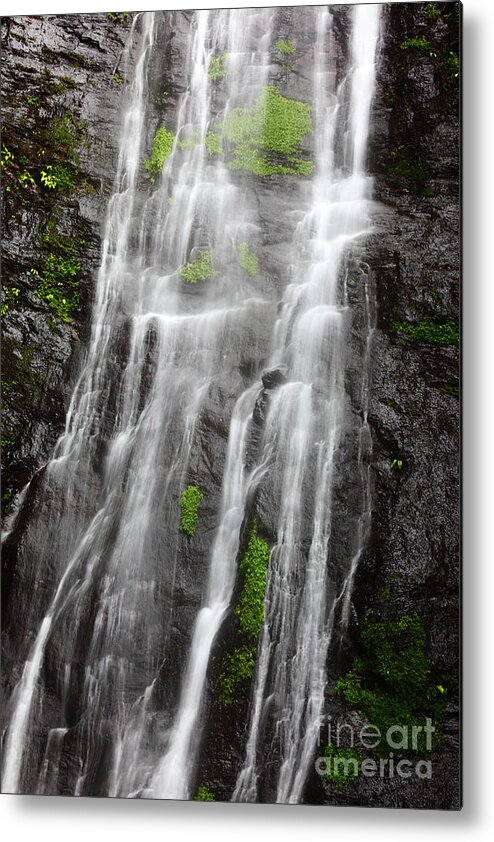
{"points": [[65, 83], [116, 17], [118, 78], [58, 177], [189, 142], [218, 67], [417, 43], [428, 330], [10, 296], [161, 97], [392, 404], [204, 794], [254, 566], [396, 464], [213, 143], [344, 765], [59, 285], [190, 500], [431, 12], [66, 135], [443, 50], [237, 667], [391, 682], [248, 260], [451, 64], [16, 172], [285, 46], [19, 380], [199, 269], [264, 139], [450, 389], [160, 150], [405, 165]]}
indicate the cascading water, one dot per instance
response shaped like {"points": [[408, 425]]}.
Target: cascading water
{"points": [[127, 717], [307, 416]]}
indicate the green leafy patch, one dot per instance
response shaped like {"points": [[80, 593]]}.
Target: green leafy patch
{"points": [[9, 298], [254, 567], [237, 667], [391, 683], [59, 282], [343, 766], [160, 150], [218, 67], [204, 794], [265, 138], [428, 330], [199, 269], [190, 500], [285, 46], [247, 260], [418, 42]]}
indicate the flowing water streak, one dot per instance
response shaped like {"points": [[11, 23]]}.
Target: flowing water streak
{"points": [[290, 675], [83, 405], [173, 774]]}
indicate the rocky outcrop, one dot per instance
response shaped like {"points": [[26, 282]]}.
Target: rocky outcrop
{"points": [[412, 561], [61, 107]]}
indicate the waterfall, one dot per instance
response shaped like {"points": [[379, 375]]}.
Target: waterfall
{"points": [[104, 534], [307, 415]]}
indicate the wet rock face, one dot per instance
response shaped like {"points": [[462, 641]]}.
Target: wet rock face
{"points": [[61, 109], [412, 562], [72, 65]]}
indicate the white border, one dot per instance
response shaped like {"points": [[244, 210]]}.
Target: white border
{"points": [[82, 820]]}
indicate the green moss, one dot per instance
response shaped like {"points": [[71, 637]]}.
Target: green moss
{"points": [[391, 682], [204, 794], [418, 43], [248, 260], [265, 138], [285, 46], [343, 766], [199, 269], [160, 150], [118, 78], [237, 667], [218, 67], [190, 500], [439, 333], [254, 567]]}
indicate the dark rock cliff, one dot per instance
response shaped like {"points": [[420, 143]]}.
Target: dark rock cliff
{"points": [[61, 110], [62, 85]]}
